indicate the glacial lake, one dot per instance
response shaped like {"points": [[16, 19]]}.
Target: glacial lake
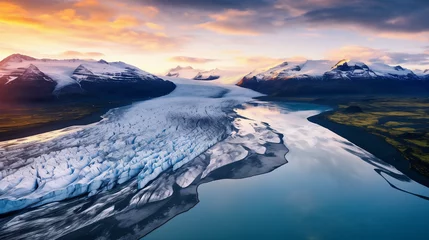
{"points": [[329, 189]]}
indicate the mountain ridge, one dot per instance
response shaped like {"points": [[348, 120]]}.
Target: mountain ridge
{"points": [[21, 76], [194, 74], [312, 77]]}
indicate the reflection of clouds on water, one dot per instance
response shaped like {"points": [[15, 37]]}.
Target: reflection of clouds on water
{"points": [[129, 213], [325, 150]]}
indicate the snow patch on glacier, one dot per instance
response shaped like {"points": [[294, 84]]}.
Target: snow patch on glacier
{"points": [[140, 141]]}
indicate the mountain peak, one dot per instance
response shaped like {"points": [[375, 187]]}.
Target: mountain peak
{"points": [[341, 63], [284, 64], [32, 67], [181, 68], [399, 68], [16, 58]]}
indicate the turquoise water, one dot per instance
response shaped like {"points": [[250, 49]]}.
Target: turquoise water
{"points": [[329, 189]]}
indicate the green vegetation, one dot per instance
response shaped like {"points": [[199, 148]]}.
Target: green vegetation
{"points": [[403, 123], [14, 118], [22, 120]]}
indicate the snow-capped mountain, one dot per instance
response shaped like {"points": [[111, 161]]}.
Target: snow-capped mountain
{"points": [[298, 70], [208, 75], [327, 77], [346, 69], [423, 74], [324, 69], [195, 74], [183, 72], [27, 78]]}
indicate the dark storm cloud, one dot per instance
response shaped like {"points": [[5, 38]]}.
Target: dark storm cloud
{"points": [[211, 4], [387, 15]]}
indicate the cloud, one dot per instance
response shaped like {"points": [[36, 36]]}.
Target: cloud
{"points": [[367, 54], [88, 20], [389, 18], [43, 5], [232, 22], [399, 18], [257, 62], [154, 26], [243, 22], [76, 54], [397, 15], [193, 60], [212, 5]]}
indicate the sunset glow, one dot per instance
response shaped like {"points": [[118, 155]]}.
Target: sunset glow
{"points": [[157, 35]]}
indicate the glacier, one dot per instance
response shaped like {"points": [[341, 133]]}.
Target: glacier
{"points": [[139, 142], [127, 212]]}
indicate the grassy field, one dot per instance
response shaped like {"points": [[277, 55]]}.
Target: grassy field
{"points": [[24, 120], [403, 123], [21, 117]]}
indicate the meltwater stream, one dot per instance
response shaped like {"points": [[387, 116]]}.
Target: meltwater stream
{"points": [[330, 189]]}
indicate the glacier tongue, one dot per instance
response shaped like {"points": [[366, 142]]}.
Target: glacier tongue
{"points": [[141, 140], [139, 211]]}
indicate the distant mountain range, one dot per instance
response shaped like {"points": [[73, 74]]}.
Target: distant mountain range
{"points": [[195, 74], [24, 78], [314, 77]]}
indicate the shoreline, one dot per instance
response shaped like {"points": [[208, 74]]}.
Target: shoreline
{"points": [[93, 117], [44, 128], [375, 145]]}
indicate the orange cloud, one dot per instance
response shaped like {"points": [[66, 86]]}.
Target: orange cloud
{"points": [[423, 36], [193, 60], [154, 26], [88, 20], [76, 54], [259, 61], [231, 22], [10, 8], [224, 28], [266, 62], [13, 14], [86, 3], [125, 22], [351, 52]]}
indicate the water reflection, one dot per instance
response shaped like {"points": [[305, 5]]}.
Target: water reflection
{"points": [[319, 143], [129, 213]]}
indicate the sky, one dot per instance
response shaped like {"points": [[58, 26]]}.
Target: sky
{"points": [[156, 35]]}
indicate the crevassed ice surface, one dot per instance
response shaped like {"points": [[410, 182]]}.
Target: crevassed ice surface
{"points": [[127, 212], [141, 141]]}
